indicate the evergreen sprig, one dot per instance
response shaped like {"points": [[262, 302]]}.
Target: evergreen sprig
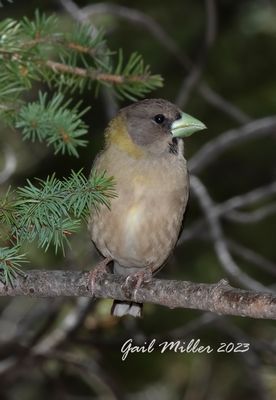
{"points": [[57, 206], [54, 122], [48, 212], [137, 80], [37, 50], [10, 263]]}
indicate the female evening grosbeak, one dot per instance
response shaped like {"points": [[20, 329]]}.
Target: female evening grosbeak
{"points": [[144, 153]]}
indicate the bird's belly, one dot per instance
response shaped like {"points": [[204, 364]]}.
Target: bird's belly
{"points": [[136, 237], [139, 232]]}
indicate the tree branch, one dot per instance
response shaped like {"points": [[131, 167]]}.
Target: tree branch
{"points": [[220, 298], [216, 232], [214, 148], [191, 81], [149, 24], [93, 74], [232, 204]]}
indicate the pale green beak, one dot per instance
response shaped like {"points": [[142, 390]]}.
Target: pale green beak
{"points": [[186, 126]]}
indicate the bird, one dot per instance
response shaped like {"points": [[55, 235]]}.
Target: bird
{"points": [[144, 153]]}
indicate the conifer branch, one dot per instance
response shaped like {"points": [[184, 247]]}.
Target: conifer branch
{"points": [[95, 75], [47, 213], [37, 50], [54, 122]]}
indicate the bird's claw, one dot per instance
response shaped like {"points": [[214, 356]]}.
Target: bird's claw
{"points": [[96, 273], [134, 281]]}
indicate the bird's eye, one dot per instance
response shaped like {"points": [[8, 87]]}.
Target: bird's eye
{"points": [[159, 118]]}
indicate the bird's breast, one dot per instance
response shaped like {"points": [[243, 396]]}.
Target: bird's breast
{"points": [[143, 223]]}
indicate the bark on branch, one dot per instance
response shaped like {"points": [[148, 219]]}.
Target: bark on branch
{"points": [[220, 298]]}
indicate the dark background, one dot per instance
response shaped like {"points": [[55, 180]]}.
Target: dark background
{"points": [[238, 62]]}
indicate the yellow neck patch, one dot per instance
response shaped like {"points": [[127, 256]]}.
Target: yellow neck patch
{"points": [[116, 134]]}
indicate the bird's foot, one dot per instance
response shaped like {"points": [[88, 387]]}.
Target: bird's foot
{"points": [[97, 272], [134, 281]]}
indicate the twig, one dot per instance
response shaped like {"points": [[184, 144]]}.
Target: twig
{"points": [[65, 328], [243, 217], [245, 199], [138, 17], [217, 101], [41, 341], [28, 333], [220, 245], [224, 209], [220, 298], [110, 101], [94, 75], [91, 372], [73, 10], [251, 256], [157, 31], [57, 40], [191, 81], [213, 149], [240, 250]]}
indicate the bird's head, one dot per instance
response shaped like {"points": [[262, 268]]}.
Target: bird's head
{"points": [[151, 126]]}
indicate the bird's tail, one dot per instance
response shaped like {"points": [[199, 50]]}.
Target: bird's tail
{"points": [[121, 308]]}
